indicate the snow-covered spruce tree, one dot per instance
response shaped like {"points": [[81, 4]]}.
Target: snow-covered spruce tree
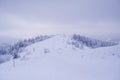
{"points": [[5, 53], [92, 43], [15, 49], [4, 49]]}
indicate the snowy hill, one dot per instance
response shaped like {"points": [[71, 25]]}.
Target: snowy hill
{"points": [[57, 58]]}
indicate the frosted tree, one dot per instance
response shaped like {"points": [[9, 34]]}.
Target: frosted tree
{"points": [[92, 43]]}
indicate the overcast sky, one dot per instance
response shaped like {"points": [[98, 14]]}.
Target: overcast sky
{"points": [[21, 18]]}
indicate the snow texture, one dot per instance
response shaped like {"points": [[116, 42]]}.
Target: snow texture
{"points": [[56, 59]]}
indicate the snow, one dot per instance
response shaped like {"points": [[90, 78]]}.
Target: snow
{"points": [[55, 59]]}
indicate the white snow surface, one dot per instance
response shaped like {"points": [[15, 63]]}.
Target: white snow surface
{"points": [[55, 59]]}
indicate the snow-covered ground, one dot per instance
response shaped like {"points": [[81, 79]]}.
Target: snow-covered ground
{"points": [[56, 59]]}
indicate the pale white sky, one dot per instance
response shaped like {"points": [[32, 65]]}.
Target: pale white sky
{"points": [[24, 18]]}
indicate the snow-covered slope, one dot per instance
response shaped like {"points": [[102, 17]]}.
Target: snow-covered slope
{"points": [[56, 59]]}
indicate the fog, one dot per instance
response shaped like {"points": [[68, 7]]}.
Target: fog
{"points": [[27, 18]]}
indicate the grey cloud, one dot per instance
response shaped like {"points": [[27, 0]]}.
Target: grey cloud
{"points": [[77, 15], [65, 10]]}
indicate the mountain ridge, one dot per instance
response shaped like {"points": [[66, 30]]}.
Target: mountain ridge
{"points": [[57, 58], [75, 40]]}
